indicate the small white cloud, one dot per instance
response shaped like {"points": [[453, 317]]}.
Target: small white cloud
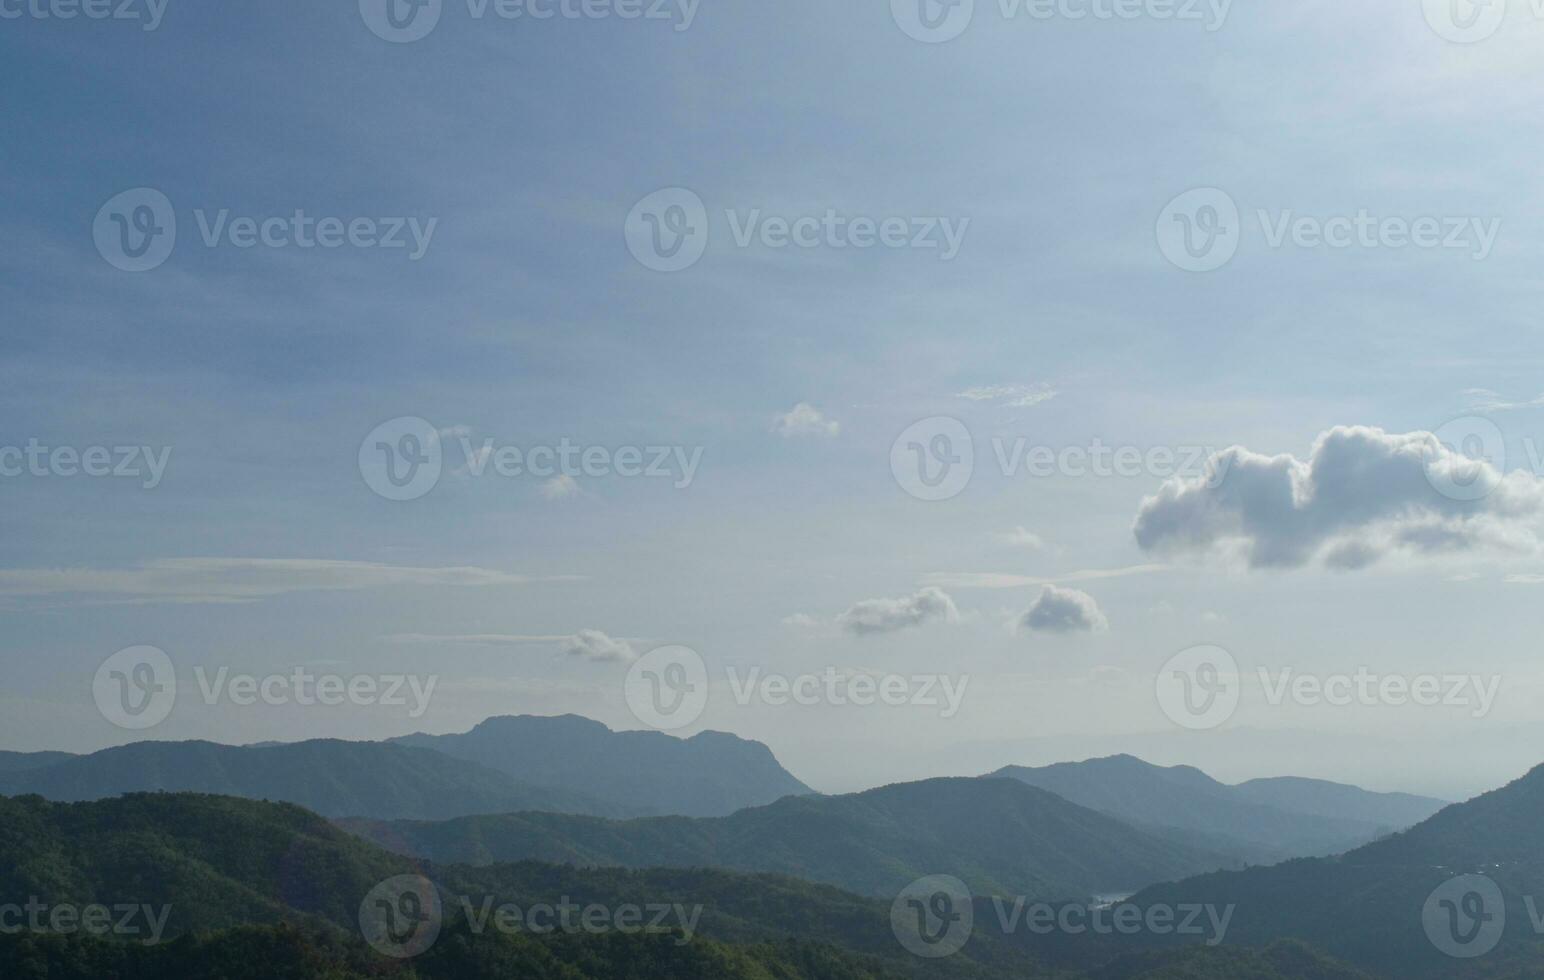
{"points": [[889, 615], [1211, 618], [559, 487], [1021, 537], [1013, 396], [805, 419], [801, 621], [1061, 610], [595, 645]]}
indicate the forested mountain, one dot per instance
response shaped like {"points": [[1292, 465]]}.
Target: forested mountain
{"points": [[1000, 836], [260, 890]]}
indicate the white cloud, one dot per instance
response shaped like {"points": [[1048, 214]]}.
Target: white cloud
{"points": [[559, 487], [1021, 537], [1061, 610], [889, 615], [595, 645], [805, 419], [1013, 396], [242, 579], [802, 621], [1362, 494]]}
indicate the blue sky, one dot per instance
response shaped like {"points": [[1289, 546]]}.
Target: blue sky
{"points": [[1054, 143]]}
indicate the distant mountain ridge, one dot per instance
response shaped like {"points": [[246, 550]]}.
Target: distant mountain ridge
{"points": [[1367, 905], [333, 778], [710, 774], [22, 761], [1000, 836], [1262, 821]]}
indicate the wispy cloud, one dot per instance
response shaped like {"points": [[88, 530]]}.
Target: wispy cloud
{"points": [[1003, 580], [588, 644], [243, 579], [1013, 396]]}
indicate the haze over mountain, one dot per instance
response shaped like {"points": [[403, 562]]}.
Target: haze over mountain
{"points": [[999, 836], [1262, 821], [21, 761], [710, 774], [331, 777], [1366, 905]]}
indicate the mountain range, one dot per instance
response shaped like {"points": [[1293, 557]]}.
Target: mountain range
{"points": [[247, 889], [999, 836], [1262, 821], [563, 764], [1367, 905]]}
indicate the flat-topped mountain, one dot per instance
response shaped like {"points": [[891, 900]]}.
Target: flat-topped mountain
{"points": [[710, 774]]}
